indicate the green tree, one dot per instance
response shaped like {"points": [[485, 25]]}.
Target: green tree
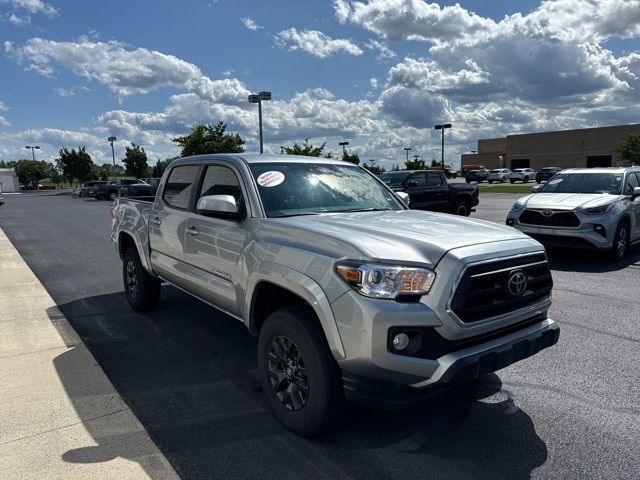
{"points": [[351, 158], [375, 169], [75, 164], [205, 138], [306, 149], [160, 166], [31, 170], [629, 149], [135, 161], [54, 174], [395, 167], [435, 163], [415, 165], [107, 171]]}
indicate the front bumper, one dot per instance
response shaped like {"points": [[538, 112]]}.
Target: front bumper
{"points": [[584, 236]]}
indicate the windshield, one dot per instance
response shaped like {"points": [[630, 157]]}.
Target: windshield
{"points": [[394, 178], [584, 183], [496, 171], [290, 189]]}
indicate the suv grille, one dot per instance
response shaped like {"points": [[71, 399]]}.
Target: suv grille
{"points": [[483, 291], [556, 219]]}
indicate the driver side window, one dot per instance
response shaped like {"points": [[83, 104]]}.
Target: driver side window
{"points": [[632, 182], [221, 180]]}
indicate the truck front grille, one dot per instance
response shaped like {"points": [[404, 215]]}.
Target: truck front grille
{"points": [[550, 218], [483, 291]]}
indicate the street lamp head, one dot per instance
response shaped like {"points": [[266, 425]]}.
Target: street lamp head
{"points": [[28, 146], [254, 98], [112, 139], [37, 147], [264, 95], [407, 148], [342, 144], [447, 125]]}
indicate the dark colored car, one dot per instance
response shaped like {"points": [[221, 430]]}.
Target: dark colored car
{"points": [[110, 190], [137, 190], [429, 190], [545, 174], [87, 188], [479, 175]]}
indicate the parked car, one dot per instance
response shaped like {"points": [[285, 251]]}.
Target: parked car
{"points": [[594, 208], [31, 186], [1, 196], [87, 188], [546, 173], [109, 191], [351, 294], [429, 190], [136, 190], [522, 175], [479, 175], [502, 175]]}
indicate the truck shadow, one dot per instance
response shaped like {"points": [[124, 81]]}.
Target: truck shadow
{"points": [[575, 260], [188, 374]]}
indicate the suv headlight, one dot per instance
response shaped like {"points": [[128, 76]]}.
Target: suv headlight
{"points": [[386, 281], [517, 207], [597, 210]]}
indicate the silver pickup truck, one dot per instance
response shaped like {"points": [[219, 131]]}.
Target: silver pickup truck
{"points": [[351, 294]]}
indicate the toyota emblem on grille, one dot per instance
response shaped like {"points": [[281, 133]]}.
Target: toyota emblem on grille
{"points": [[517, 283], [547, 213]]}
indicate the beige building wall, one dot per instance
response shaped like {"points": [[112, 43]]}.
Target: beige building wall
{"points": [[568, 148]]}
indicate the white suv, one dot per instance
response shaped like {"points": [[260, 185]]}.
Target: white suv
{"points": [[583, 208], [499, 175], [523, 175]]}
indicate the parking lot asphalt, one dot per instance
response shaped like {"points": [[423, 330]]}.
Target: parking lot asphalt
{"points": [[188, 373]]}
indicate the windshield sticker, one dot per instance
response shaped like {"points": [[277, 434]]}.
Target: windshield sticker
{"points": [[557, 180], [270, 179]]}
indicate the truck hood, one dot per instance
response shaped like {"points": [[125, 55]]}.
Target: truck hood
{"points": [[567, 201], [401, 235]]}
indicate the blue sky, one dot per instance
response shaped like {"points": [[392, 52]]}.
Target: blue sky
{"points": [[378, 74]]}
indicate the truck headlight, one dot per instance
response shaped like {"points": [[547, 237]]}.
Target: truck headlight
{"points": [[597, 210], [386, 281]]}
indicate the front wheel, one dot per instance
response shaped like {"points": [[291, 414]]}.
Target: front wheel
{"points": [[298, 373], [462, 208], [142, 290], [620, 242], [112, 196], [503, 179], [513, 181], [526, 179], [468, 181]]}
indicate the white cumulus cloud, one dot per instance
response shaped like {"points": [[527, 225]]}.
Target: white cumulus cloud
{"points": [[316, 43]]}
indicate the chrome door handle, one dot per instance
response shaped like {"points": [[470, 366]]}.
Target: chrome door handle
{"points": [[192, 231], [156, 222]]}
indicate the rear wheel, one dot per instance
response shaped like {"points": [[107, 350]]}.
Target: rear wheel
{"points": [[490, 181], [299, 376], [503, 179], [142, 290], [620, 241], [468, 181], [513, 181], [526, 179]]}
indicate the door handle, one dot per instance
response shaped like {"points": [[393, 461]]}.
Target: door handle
{"points": [[156, 222], [192, 231]]}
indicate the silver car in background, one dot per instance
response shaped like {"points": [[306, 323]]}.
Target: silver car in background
{"points": [[596, 208], [523, 175], [502, 175]]}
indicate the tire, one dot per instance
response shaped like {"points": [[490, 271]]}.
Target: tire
{"points": [[112, 196], [468, 181], [490, 181], [620, 245], [141, 289], [513, 181], [462, 208], [292, 335], [503, 179], [526, 180]]}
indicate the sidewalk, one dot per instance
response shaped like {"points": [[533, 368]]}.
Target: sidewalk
{"points": [[60, 416]]}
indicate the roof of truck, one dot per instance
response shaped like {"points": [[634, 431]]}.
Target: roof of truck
{"points": [[260, 158]]}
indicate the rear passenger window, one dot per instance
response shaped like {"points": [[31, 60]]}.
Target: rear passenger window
{"points": [[178, 187], [434, 179]]}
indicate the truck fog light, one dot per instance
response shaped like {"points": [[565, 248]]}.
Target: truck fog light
{"points": [[401, 341]]}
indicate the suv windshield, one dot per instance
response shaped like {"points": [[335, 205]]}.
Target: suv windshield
{"points": [[394, 178], [584, 183], [290, 189]]}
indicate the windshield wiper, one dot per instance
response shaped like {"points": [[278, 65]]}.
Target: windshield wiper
{"points": [[362, 210], [299, 214]]}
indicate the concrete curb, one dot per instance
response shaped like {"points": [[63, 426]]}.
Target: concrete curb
{"points": [[60, 416]]}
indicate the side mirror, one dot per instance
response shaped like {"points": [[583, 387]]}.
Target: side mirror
{"points": [[404, 197], [220, 206], [412, 183], [636, 193], [536, 188]]}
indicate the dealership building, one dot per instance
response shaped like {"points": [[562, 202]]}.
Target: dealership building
{"points": [[9, 180], [586, 147]]}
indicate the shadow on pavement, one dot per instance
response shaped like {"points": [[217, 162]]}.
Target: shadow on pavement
{"points": [[188, 373], [576, 260]]}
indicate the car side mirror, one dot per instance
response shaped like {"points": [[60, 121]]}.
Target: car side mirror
{"points": [[636, 193], [219, 206], [536, 188], [404, 197], [412, 183]]}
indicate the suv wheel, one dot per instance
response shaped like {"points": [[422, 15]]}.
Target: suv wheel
{"points": [[503, 179], [142, 290], [526, 179], [620, 242], [298, 373]]}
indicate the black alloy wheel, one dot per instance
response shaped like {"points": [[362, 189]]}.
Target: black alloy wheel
{"points": [[288, 373]]}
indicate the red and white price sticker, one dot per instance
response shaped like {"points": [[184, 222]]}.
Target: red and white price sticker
{"points": [[270, 179]]}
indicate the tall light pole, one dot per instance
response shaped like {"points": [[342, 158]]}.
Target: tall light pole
{"points": [[113, 154], [258, 98], [406, 149], [33, 149], [443, 127], [344, 148]]}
